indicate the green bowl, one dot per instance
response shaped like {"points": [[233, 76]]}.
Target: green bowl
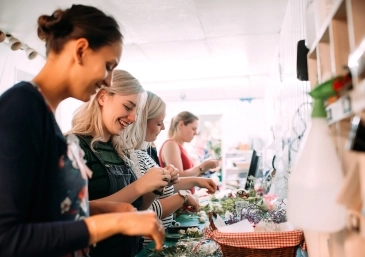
{"points": [[173, 237]]}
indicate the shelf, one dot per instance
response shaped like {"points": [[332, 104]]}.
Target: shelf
{"points": [[238, 154], [338, 12], [235, 170], [347, 105]]}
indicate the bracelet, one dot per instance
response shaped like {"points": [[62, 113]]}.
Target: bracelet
{"points": [[159, 193]]}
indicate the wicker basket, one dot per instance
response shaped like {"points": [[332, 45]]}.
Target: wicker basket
{"points": [[255, 244]]}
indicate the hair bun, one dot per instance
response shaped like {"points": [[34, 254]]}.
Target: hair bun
{"points": [[55, 25]]}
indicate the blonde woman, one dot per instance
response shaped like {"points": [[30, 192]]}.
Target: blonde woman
{"points": [[99, 125], [175, 195], [182, 130]]}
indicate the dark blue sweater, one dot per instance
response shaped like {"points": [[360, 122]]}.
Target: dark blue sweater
{"points": [[33, 185]]}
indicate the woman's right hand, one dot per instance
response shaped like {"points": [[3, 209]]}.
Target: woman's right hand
{"points": [[155, 179], [143, 223]]}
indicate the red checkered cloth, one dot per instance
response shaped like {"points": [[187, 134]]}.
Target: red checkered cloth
{"points": [[257, 240]]}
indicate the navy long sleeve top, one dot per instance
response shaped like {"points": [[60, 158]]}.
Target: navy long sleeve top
{"points": [[39, 197]]}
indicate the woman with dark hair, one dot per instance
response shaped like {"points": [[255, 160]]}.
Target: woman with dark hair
{"points": [[43, 178]]}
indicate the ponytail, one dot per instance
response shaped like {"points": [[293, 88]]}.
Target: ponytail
{"points": [[172, 128], [185, 117]]}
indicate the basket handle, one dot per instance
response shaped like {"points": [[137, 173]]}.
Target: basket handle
{"points": [[211, 222]]}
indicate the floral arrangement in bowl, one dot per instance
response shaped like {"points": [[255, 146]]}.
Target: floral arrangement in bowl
{"points": [[251, 204]]}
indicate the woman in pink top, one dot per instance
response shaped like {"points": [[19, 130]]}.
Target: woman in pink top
{"points": [[182, 130]]}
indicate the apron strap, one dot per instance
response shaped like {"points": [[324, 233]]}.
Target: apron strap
{"points": [[115, 182]]}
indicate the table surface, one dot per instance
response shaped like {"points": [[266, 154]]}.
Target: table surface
{"points": [[184, 220], [193, 220]]}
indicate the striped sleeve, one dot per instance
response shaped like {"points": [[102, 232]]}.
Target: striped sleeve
{"points": [[146, 163], [156, 207], [169, 190]]}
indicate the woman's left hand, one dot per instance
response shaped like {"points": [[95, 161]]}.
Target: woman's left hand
{"points": [[207, 183], [174, 174]]}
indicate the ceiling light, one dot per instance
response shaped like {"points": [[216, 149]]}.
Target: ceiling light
{"points": [[14, 43], [30, 52]]}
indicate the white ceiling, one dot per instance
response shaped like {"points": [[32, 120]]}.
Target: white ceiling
{"points": [[175, 40]]}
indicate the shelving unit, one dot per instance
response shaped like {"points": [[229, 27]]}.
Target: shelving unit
{"points": [[340, 35], [235, 168]]}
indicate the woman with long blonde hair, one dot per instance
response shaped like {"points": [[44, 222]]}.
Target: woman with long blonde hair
{"points": [[175, 194], [100, 125]]}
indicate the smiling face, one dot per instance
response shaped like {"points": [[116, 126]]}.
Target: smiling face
{"points": [[154, 127], [117, 111], [187, 132], [94, 70]]}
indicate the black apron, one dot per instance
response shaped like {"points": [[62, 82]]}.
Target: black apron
{"points": [[119, 176]]}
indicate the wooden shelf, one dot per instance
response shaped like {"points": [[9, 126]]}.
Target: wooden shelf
{"points": [[338, 10], [356, 20]]}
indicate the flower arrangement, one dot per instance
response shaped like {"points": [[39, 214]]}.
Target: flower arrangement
{"points": [[251, 204]]}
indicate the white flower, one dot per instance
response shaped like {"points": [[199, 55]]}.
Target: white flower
{"points": [[202, 213], [228, 215], [203, 219], [181, 231], [219, 205], [190, 231]]}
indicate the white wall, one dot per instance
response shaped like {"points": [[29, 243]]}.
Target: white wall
{"points": [[15, 66], [240, 120], [65, 112]]}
